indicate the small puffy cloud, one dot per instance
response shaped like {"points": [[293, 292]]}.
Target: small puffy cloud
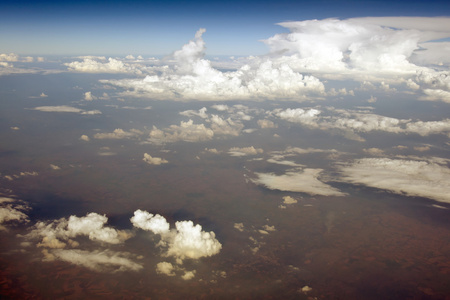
{"points": [[212, 150], [67, 109], [306, 289], [235, 151], [200, 113], [150, 222], [54, 167], [266, 124], [42, 95], [118, 134], [188, 275], [88, 96], [153, 160], [220, 107], [423, 178], [239, 226], [84, 138], [297, 180], [165, 268], [289, 200], [186, 240]]}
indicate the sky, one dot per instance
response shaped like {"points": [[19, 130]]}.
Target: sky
{"points": [[223, 150], [156, 27]]}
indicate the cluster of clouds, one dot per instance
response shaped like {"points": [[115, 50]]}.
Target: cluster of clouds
{"points": [[211, 126], [72, 240], [12, 211], [189, 76], [262, 232], [426, 177], [396, 50], [154, 160], [185, 241], [12, 177], [58, 242], [7, 63], [351, 123]]}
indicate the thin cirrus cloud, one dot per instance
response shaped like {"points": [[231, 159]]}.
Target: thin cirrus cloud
{"points": [[67, 109]]}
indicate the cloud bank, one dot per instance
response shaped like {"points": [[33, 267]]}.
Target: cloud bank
{"points": [[351, 123], [422, 178], [189, 76], [59, 240], [392, 50], [297, 180]]}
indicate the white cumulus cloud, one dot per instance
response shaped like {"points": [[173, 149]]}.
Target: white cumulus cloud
{"points": [[186, 240], [154, 160]]}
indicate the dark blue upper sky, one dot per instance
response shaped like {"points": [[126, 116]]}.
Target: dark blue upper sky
{"points": [[160, 27]]}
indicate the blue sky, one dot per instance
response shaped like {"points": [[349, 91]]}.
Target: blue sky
{"points": [[160, 27]]}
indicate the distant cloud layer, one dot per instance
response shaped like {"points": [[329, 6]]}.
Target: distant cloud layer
{"points": [[397, 51]]}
